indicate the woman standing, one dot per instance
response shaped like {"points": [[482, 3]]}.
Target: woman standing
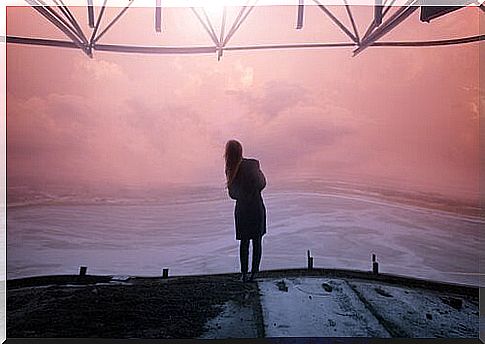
{"points": [[245, 181]]}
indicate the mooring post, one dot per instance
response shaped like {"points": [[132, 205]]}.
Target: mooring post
{"points": [[375, 265], [165, 273], [83, 270], [310, 260]]}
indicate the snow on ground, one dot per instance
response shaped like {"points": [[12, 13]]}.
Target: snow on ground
{"points": [[301, 307], [420, 313], [234, 321]]}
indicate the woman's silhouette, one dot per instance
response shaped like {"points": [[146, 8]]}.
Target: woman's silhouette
{"points": [[245, 182]]}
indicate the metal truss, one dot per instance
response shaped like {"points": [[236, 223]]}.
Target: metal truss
{"points": [[61, 17]]}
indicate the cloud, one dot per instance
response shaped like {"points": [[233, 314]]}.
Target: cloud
{"points": [[299, 137], [99, 69], [272, 98], [49, 138], [55, 123], [125, 118]]}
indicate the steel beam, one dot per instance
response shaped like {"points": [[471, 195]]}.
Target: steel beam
{"points": [[243, 14], [211, 49], [398, 17], [113, 22], [210, 32], [41, 42], [336, 21], [51, 18], [158, 16], [352, 21], [301, 9], [95, 30], [67, 12], [209, 24], [90, 14], [55, 14], [243, 18], [378, 12], [73, 23], [221, 36], [389, 6], [153, 49]]}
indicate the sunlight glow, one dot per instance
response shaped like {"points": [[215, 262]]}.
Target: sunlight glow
{"points": [[214, 8]]}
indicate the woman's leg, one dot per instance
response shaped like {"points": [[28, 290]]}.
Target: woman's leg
{"points": [[244, 255], [257, 250]]}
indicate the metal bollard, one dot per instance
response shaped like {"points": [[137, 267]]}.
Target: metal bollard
{"points": [[375, 268], [310, 263], [375, 265], [310, 260], [165, 273], [83, 270]]}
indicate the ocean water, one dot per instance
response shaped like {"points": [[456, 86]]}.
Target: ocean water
{"points": [[191, 231]]}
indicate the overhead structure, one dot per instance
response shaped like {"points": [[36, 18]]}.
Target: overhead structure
{"points": [[431, 12], [382, 23], [158, 16]]}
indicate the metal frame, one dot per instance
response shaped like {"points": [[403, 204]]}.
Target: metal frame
{"points": [[158, 16], [62, 18]]}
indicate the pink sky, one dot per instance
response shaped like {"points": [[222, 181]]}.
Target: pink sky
{"points": [[408, 116]]}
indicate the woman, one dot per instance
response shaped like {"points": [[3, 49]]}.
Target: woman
{"points": [[245, 182]]}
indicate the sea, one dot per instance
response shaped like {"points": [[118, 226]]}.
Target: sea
{"points": [[190, 230]]}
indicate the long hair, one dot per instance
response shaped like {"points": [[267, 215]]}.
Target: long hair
{"points": [[233, 157]]}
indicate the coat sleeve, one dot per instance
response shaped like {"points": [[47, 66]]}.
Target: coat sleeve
{"points": [[261, 180], [233, 191]]}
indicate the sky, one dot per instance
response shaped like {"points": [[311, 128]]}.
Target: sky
{"points": [[407, 117]]}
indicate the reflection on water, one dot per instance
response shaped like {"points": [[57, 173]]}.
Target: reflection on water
{"points": [[191, 232]]}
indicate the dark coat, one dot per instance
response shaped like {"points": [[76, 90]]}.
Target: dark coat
{"points": [[250, 212]]}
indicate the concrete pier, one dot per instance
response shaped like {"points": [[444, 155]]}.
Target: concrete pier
{"points": [[280, 303]]}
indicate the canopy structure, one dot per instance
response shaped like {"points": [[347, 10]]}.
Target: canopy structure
{"points": [[383, 22]]}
